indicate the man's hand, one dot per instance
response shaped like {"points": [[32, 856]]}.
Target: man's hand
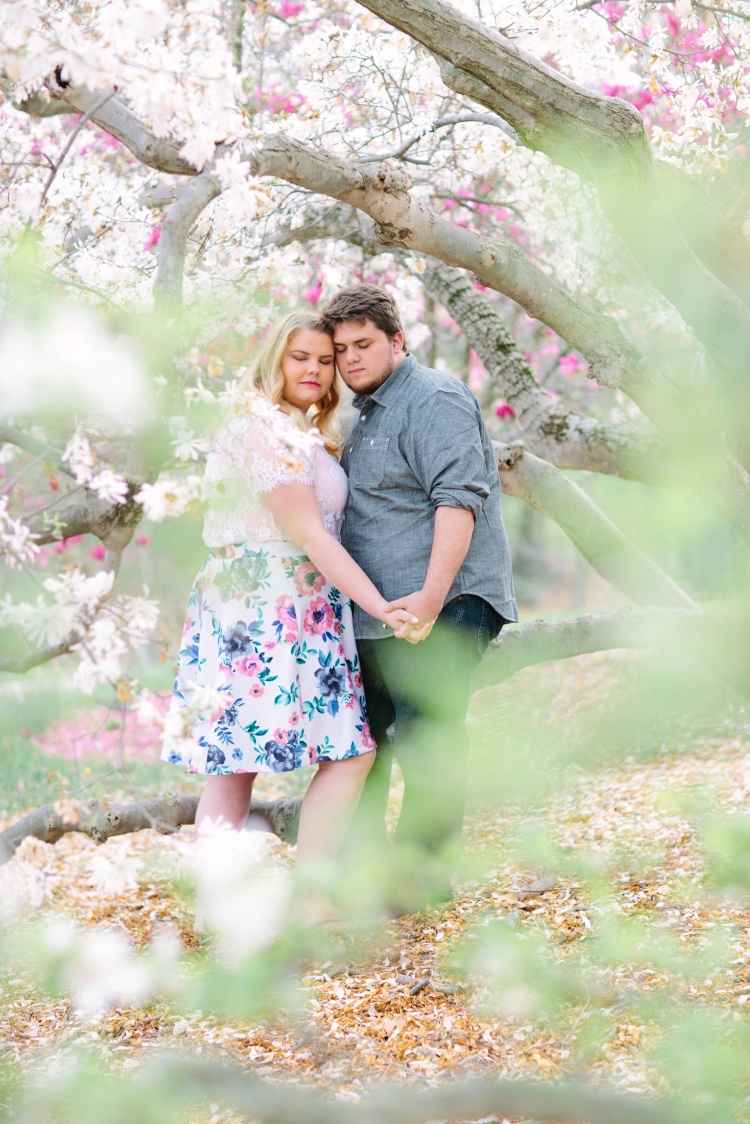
{"points": [[424, 610]]}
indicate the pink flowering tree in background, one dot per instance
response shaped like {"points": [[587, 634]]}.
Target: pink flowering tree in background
{"points": [[555, 193]]}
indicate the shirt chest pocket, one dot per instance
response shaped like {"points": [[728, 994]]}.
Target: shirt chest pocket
{"points": [[367, 461]]}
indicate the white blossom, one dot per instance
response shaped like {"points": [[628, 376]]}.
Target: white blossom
{"points": [[109, 486]]}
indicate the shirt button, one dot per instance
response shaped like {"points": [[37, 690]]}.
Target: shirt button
{"points": [[372, 442]]}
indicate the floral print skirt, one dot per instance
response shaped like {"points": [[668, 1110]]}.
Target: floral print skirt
{"points": [[268, 676]]}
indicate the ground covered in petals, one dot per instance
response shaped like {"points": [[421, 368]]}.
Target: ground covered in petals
{"points": [[417, 1007]]}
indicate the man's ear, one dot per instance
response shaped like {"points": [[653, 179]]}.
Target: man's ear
{"points": [[398, 341]]}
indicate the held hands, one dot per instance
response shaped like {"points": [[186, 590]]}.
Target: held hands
{"points": [[418, 614]]}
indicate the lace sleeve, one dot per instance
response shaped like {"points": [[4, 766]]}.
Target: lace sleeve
{"points": [[270, 451]]}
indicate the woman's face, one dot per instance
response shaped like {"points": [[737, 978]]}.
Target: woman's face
{"points": [[308, 367]]}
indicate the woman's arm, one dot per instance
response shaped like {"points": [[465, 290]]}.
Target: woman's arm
{"points": [[295, 509]]}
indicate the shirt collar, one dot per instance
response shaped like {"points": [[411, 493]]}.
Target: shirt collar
{"points": [[391, 385]]}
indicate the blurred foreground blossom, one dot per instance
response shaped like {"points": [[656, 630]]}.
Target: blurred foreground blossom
{"points": [[240, 895], [70, 361], [100, 968], [114, 872]]}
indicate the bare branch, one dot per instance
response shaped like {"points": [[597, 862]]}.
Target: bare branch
{"points": [[98, 104], [715, 642], [601, 543], [549, 429], [441, 123], [569, 1101], [116, 119], [11, 435], [178, 222], [165, 814]]}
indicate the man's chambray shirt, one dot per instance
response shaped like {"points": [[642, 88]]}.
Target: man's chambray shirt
{"points": [[419, 443]]}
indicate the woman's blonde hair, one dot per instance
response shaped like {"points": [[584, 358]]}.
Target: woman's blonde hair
{"points": [[266, 377]]}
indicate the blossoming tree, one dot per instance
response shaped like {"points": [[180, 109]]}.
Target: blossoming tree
{"points": [[559, 185]]}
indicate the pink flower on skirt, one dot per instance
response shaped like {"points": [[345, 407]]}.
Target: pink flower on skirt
{"points": [[187, 625], [357, 678], [319, 617], [248, 666], [293, 719], [312, 754], [242, 770], [280, 735], [368, 740], [307, 579], [286, 613], [256, 690]]}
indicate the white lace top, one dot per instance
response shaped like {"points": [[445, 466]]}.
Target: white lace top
{"points": [[249, 458]]}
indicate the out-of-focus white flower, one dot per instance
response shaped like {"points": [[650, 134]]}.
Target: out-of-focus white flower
{"points": [[168, 497], [185, 445], [113, 873], [100, 968], [243, 898], [16, 542], [70, 361], [109, 486], [80, 457], [23, 887]]}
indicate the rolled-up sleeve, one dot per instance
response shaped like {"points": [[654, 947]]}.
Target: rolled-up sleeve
{"points": [[446, 453]]}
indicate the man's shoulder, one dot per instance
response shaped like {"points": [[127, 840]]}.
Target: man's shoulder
{"points": [[428, 382]]}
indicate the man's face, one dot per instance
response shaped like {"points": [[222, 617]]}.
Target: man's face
{"points": [[365, 355]]}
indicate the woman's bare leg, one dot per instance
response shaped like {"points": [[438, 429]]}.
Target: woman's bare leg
{"points": [[327, 810], [227, 798]]}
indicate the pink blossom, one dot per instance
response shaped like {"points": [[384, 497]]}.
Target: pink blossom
{"points": [[312, 292], [289, 8], [319, 617], [98, 551], [141, 539], [570, 363], [503, 410], [153, 238]]}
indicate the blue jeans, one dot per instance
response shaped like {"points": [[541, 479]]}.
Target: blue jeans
{"points": [[422, 693]]}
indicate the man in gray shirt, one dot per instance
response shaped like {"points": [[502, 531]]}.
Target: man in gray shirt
{"points": [[423, 520]]}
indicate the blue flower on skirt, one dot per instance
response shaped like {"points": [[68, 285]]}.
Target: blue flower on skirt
{"points": [[236, 640], [175, 758], [279, 756], [331, 680], [214, 758]]}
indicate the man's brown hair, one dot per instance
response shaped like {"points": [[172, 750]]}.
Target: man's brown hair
{"points": [[360, 303]]}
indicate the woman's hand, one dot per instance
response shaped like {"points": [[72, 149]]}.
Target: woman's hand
{"points": [[395, 617]]}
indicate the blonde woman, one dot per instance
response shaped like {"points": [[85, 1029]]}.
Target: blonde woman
{"points": [[268, 677]]}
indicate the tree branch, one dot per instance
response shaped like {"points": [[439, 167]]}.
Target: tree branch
{"points": [[600, 138], [569, 1101], [601, 543], [549, 429], [116, 119], [718, 643], [165, 814], [176, 227], [383, 193]]}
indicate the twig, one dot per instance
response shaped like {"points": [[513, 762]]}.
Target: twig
{"points": [[84, 120]]}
